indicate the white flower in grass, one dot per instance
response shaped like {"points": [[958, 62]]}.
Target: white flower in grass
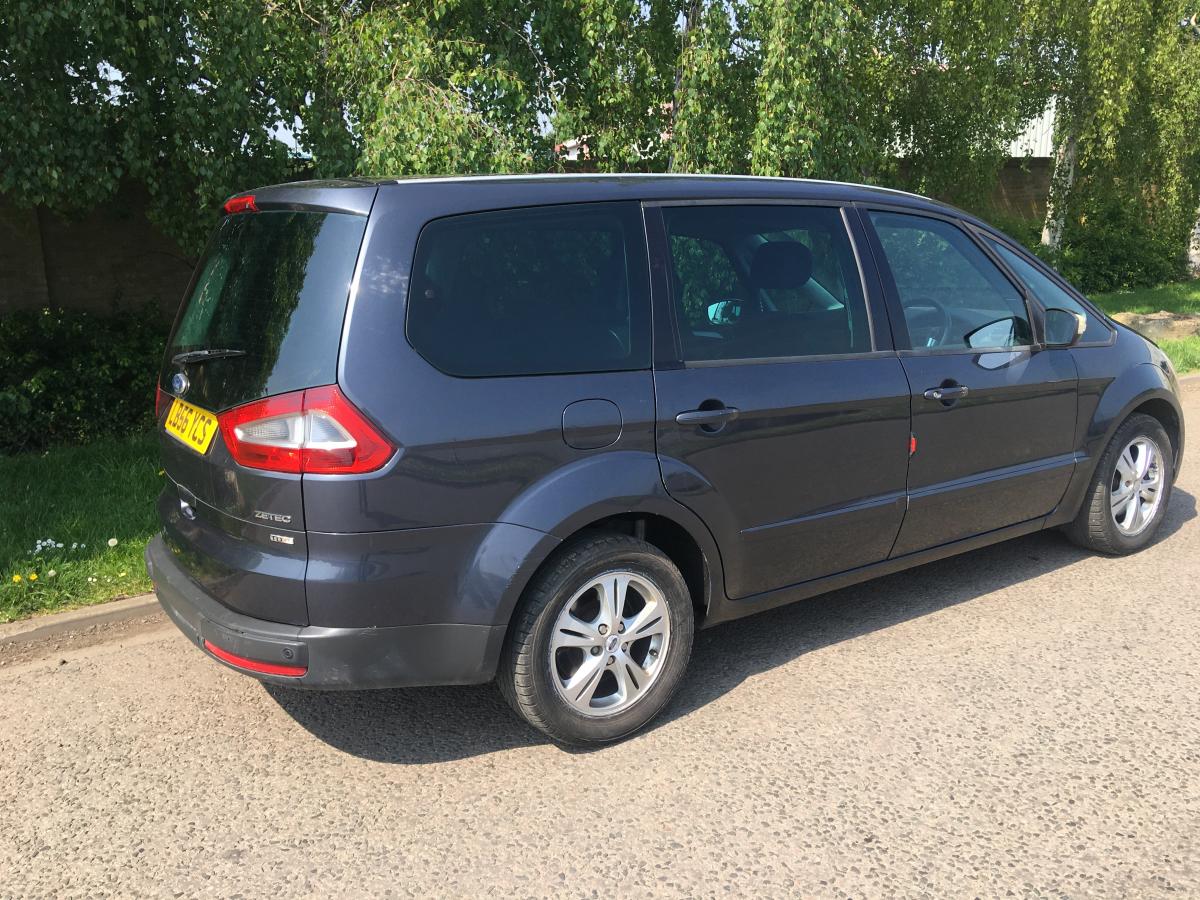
{"points": [[112, 542], [74, 545], [58, 545], [91, 579], [51, 573]]}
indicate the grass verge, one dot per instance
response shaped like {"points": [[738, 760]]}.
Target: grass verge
{"points": [[61, 511], [1180, 297]]}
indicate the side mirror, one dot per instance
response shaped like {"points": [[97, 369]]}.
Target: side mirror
{"points": [[1063, 327], [998, 334], [724, 312]]}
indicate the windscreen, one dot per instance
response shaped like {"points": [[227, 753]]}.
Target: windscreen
{"points": [[265, 313]]}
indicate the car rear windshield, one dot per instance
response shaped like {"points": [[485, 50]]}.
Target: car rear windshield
{"points": [[272, 289]]}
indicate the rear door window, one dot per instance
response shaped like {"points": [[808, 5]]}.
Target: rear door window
{"points": [[550, 290], [272, 288], [764, 282], [952, 295]]}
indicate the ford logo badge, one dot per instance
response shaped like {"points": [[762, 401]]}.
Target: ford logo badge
{"points": [[180, 384]]}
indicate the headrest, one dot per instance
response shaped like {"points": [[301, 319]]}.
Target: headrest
{"points": [[781, 264]]}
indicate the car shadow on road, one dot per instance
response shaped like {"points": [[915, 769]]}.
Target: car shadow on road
{"points": [[426, 725]]}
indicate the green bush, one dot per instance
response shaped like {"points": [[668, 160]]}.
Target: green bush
{"points": [[1115, 248], [67, 377], [1027, 231]]}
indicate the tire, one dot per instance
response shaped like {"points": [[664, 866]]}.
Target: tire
{"points": [[625, 684], [1096, 526]]}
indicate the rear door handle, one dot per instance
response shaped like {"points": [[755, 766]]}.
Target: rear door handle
{"points": [[707, 417], [955, 392]]}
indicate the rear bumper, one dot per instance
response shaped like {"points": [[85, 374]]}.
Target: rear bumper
{"points": [[330, 658]]}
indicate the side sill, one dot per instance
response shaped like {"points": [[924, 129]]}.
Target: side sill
{"points": [[736, 609]]}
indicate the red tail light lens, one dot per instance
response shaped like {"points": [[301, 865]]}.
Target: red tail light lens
{"points": [[160, 400], [315, 431], [244, 203]]}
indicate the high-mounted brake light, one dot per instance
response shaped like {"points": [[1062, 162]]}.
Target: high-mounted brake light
{"points": [[316, 431], [244, 203]]}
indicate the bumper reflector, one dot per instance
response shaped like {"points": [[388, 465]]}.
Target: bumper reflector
{"points": [[254, 665]]}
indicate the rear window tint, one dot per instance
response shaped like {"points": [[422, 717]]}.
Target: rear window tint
{"points": [[273, 285], [532, 292]]}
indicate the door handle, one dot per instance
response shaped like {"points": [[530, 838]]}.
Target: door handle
{"points": [[707, 418], [949, 393]]}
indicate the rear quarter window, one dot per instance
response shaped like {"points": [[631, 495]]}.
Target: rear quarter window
{"points": [[551, 290]]}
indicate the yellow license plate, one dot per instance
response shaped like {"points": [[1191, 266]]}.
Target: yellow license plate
{"points": [[191, 425]]}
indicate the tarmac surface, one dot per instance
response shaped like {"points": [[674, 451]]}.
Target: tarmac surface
{"points": [[1022, 720]]}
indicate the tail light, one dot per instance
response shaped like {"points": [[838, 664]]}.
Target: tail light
{"points": [[160, 400], [316, 431]]}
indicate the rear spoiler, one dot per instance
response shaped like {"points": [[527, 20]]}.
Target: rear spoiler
{"points": [[341, 196]]}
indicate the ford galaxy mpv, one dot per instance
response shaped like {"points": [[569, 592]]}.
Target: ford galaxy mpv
{"points": [[540, 429]]}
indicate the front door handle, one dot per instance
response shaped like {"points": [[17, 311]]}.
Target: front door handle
{"points": [[707, 418], [949, 393]]}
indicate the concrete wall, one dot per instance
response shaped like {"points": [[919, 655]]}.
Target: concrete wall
{"points": [[108, 258]]}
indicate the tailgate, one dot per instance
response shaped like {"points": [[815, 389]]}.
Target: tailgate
{"points": [[263, 317]]}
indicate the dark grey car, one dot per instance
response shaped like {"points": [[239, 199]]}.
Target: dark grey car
{"points": [[539, 429]]}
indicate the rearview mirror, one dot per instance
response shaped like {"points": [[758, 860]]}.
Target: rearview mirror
{"points": [[1063, 327]]}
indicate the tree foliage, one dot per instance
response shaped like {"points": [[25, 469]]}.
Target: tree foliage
{"points": [[197, 99], [1129, 161]]}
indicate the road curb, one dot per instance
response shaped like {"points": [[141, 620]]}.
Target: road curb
{"points": [[43, 628]]}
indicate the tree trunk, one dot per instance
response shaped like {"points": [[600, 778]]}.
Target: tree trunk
{"points": [[689, 24], [1194, 248], [1060, 190]]}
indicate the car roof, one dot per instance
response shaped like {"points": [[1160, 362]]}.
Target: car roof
{"points": [[594, 187]]}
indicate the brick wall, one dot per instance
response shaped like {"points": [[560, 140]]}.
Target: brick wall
{"points": [[114, 257], [110, 257], [1024, 186]]}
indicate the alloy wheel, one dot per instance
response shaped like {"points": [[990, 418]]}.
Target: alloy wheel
{"points": [[609, 643], [1135, 491]]}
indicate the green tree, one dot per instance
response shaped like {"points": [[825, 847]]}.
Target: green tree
{"points": [[196, 99], [813, 118], [714, 108], [170, 94], [1127, 174]]}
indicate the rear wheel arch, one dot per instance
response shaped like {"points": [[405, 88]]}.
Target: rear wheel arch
{"points": [[695, 561], [675, 541], [622, 493]]}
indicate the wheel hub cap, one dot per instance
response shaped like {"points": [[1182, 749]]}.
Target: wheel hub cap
{"points": [[609, 643], [1136, 490]]}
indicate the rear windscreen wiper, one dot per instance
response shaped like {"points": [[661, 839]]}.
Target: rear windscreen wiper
{"points": [[201, 355]]}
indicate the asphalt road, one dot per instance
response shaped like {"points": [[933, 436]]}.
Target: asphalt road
{"points": [[1023, 720]]}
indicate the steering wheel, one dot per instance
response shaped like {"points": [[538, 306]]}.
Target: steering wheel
{"points": [[929, 322]]}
